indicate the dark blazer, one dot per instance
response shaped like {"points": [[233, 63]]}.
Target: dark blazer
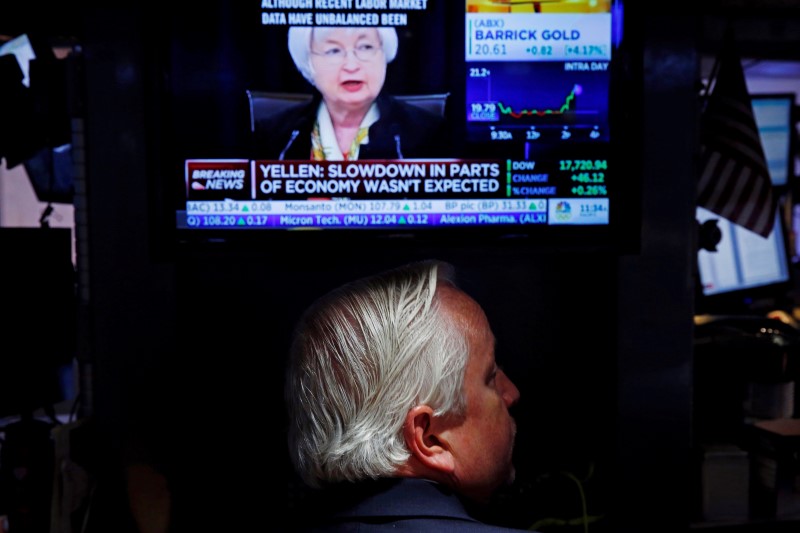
{"points": [[403, 131], [399, 504]]}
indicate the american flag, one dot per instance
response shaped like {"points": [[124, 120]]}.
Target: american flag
{"points": [[734, 180]]}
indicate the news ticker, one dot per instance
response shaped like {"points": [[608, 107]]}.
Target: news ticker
{"points": [[344, 213]]}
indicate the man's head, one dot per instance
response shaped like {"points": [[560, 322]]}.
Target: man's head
{"points": [[394, 375]]}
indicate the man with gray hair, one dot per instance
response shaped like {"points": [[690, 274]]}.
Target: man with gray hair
{"points": [[397, 408]]}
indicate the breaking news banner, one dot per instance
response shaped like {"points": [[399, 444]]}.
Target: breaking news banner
{"points": [[281, 180], [212, 179]]}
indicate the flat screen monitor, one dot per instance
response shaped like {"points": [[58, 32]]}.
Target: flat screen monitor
{"points": [[747, 267], [774, 118], [520, 141], [744, 268]]}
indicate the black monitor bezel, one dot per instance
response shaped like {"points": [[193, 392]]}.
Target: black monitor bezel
{"points": [[622, 234]]}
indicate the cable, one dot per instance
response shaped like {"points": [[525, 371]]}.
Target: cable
{"points": [[585, 519], [584, 511], [74, 409]]}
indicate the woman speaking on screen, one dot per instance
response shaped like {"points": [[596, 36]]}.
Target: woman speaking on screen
{"points": [[349, 118]]}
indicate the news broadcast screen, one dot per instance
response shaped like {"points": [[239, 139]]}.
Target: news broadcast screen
{"points": [[395, 114]]}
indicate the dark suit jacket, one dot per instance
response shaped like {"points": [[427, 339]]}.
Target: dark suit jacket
{"points": [[416, 132], [398, 504]]}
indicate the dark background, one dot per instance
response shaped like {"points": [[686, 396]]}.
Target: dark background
{"points": [[181, 347], [189, 345]]}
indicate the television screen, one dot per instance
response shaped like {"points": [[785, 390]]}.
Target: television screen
{"points": [[745, 264], [773, 114], [396, 117]]}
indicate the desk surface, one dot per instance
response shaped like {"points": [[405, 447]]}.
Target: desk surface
{"points": [[784, 427]]}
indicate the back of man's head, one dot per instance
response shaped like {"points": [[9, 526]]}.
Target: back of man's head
{"points": [[361, 357]]}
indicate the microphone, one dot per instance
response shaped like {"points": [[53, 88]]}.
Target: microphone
{"points": [[396, 130], [294, 135]]}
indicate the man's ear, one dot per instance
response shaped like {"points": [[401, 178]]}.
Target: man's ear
{"points": [[421, 433]]}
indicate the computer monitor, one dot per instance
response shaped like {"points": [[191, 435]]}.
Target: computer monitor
{"points": [[745, 268], [773, 113]]}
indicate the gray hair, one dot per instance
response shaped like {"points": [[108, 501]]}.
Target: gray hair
{"points": [[361, 357], [300, 45]]}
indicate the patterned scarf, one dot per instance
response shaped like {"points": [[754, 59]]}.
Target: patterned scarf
{"points": [[318, 154], [323, 138]]}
